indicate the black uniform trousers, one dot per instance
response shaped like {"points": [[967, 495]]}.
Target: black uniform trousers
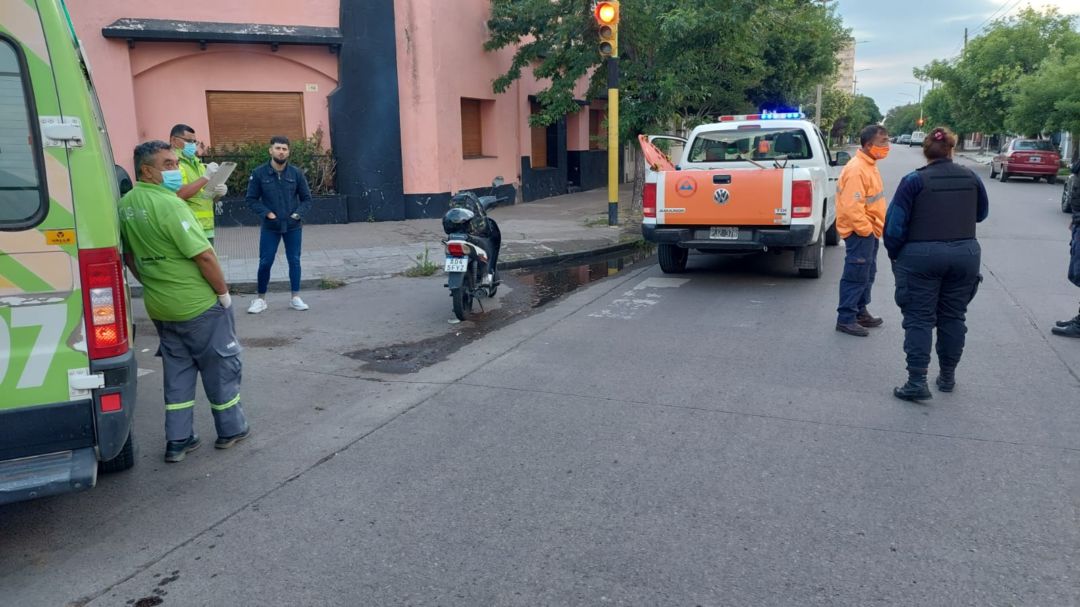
{"points": [[935, 282]]}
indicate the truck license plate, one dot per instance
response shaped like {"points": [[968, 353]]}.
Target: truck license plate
{"points": [[724, 233], [457, 264]]}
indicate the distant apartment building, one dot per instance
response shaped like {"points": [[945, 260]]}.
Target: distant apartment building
{"points": [[845, 75], [402, 88]]}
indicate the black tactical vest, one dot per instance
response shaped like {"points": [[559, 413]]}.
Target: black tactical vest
{"points": [[948, 205]]}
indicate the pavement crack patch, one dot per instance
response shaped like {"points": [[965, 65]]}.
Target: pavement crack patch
{"points": [[766, 416]]}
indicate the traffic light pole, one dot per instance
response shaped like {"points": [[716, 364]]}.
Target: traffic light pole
{"points": [[613, 139]]}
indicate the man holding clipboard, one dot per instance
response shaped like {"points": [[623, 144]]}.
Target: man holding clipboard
{"points": [[203, 185]]}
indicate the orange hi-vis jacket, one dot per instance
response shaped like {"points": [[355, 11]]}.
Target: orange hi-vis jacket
{"points": [[860, 198]]}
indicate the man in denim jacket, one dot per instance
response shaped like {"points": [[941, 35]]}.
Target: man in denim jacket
{"points": [[278, 192]]}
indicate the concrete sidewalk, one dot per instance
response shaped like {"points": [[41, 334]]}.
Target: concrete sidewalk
{"points": [[545, 231]]}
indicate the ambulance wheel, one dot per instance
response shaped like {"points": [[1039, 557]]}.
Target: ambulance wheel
{"points": [[832, 236], [1066, 206], [672, 258], [123, 460]]}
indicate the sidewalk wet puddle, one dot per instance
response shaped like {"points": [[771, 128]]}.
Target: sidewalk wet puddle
{"points": [[529, 290]]}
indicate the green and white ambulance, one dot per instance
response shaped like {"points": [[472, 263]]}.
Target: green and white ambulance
{"points": [[67, 370]]}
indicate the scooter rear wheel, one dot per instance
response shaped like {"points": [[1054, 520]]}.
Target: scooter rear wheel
{"points": [[463, 297]]}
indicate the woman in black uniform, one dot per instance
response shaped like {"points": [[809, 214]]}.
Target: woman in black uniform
{"points": [[930, 237]]}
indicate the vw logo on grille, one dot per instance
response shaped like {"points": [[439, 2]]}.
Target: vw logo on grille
{"points": [[721, 196]]}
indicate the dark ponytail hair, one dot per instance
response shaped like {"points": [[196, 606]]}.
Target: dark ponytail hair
{"points": [[939, 143]]}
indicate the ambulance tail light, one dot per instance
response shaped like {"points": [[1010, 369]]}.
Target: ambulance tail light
{"points": [[648, 200], [102, 275], [802, 199]]}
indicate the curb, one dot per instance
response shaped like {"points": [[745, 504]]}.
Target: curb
{"points": [[282, 285]]}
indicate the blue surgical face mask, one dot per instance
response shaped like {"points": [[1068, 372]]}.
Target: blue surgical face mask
{"points": [[172, 180], [189, 149]]}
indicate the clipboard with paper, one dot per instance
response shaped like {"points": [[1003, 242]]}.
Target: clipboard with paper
{"points": [[225, 169]]}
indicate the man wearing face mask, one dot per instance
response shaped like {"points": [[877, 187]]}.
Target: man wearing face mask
{"points": [[195, 177], [860, 220], [186, 296]]}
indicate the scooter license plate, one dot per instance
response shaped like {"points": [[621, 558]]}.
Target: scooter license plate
{"points": [[457, 264]]}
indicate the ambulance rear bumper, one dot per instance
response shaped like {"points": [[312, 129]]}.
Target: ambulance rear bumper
{"points": [[49, 474], [750, 238]]}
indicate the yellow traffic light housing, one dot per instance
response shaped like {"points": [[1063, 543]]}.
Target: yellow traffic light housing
{"points": [[607, 19]]}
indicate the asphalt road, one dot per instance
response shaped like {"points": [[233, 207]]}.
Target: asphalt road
{"points": [[706, 439]]}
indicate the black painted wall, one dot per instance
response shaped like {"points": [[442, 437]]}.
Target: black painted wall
{"points": [[365, 125], [588, 169], [429, 206]]}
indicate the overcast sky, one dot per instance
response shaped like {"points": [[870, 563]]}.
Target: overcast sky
{"points": [[895, 36]]}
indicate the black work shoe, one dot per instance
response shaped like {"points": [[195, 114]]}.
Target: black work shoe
{"points": [[1072, 321], [177, 450], [866, 319], [946, 380], [913, 391], [224, 442], [1072, 330], [852, 329]]}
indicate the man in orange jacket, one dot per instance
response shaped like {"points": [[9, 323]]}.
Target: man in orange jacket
{"points": [[860, 220]]}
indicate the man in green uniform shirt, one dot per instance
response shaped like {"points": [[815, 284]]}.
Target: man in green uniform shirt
{"points": [[186, 296], [195, 177]]}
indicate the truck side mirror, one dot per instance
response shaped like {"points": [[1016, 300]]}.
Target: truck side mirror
{"points": [[842, 158], [123, 180]]}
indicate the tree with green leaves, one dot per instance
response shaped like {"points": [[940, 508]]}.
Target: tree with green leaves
{"points": [[679, 61], [862, 111], [982, 82], [902, 119]]}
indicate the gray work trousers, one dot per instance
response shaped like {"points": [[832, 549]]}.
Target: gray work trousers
{"points": [[205, 345]]}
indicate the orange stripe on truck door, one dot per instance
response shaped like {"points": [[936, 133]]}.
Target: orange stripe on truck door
{"points": [[740, 197]]}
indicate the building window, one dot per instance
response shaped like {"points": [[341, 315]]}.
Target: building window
{"points": [[237, 118], [539, 140], [472, 128], [23, 199], [597, 132]]}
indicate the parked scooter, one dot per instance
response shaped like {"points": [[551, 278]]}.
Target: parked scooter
{"points": [[472, 249]]}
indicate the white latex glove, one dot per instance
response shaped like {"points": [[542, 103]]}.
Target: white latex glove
{"points": [[211, 169], [221, 190], [225, 300]]}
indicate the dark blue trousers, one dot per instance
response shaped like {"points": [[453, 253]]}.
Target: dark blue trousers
{"points": [[268, 247], [1074, 256], [860, 269], [935, 282]]}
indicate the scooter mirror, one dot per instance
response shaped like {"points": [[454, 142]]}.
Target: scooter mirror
{"points": [[498, 181]]}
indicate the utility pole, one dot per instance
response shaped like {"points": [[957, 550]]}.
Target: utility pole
{"points": [[965, 41], [607, 18], [817, 107]]}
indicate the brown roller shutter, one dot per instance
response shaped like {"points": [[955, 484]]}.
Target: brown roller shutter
{"points": [[237, 118], [472, 134]]}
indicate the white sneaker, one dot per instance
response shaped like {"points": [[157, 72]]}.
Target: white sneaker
{"points": [[298, 304], [257, 305]]}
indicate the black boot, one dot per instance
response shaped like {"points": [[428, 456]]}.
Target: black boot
{"points": [[1072, 321], [946, 379], [915, 389]]}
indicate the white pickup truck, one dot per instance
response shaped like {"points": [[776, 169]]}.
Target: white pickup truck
{"points": [[762, 182]]}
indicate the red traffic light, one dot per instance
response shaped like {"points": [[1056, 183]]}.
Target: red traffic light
{"points": [[920, 121], [607, 13]]}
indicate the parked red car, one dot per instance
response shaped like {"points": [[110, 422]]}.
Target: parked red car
{"points": [[1026, 158]]}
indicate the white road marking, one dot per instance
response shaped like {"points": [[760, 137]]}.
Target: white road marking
{"points": [[634, 301], [142, 372]]}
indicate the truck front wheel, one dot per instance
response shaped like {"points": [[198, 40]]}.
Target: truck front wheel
{"points": [[672, 258]]}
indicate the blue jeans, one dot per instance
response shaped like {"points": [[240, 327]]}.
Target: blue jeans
{"points": [[268, 247], [860, 269]]}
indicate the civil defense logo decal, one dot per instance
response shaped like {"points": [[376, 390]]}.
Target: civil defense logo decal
{"points": [[686, 187]]}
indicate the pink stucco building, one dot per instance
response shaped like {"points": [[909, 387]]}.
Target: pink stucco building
{"points": [[403, 87]]}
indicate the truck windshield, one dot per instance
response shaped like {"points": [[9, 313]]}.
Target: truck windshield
{"points": [[752, 143]]}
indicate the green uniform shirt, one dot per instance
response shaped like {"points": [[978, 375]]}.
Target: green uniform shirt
{"points": [[161, 232], [202, 203]]}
